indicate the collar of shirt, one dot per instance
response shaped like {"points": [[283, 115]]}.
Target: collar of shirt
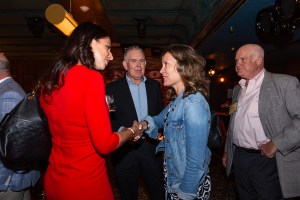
{"points": [[4, 79], [130, 81], [257, 78], [139, 97]]}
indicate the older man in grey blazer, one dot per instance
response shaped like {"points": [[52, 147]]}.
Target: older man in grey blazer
{"points": [[14, 185], [263, 143]]}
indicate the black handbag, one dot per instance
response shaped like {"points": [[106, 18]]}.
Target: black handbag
{"points": [[215, 138], [24, 135]]}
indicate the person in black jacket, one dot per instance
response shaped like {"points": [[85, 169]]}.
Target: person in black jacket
{"points": [[135, 97]]}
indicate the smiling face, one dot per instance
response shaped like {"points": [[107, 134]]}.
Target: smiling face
{"points": [[170, 74], [249, 61], [101, 49], [135, 65]]}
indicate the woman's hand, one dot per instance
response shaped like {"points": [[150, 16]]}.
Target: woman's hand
{"points": [[132, 133], [137, 131]]}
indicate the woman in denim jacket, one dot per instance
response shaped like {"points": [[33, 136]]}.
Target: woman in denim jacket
{"points": [[186, 124]]}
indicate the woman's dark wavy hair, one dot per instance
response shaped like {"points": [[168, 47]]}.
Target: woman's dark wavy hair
{"points": [[76, 48], [190, 66]]}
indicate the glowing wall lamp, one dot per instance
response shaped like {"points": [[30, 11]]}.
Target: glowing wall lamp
{"points": [[212, 72], [221, 79], [59, 17]]}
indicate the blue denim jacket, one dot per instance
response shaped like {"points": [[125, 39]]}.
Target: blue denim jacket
{"points": [[10, 94], [185, 143]]}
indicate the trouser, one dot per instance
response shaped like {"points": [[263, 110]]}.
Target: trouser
{"points": [[256, 176], [11, 195], [146, 166]]}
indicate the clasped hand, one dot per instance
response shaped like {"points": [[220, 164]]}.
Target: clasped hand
{"points": [[139, 128], [138, 131]]}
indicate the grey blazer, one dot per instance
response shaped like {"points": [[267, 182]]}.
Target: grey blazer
{"points": [[279, 112], [10, 95]]}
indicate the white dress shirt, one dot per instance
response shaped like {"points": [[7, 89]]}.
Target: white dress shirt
{"points": [[248, 131]]}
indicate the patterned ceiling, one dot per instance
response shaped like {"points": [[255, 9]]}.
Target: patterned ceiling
{"points": [[164, 22], [25, 32], [214, 27]]}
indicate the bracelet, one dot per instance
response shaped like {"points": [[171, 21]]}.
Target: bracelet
{"points": [[133, 133]]}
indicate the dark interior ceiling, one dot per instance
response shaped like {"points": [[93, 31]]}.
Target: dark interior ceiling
{"points": [[213, 27]]}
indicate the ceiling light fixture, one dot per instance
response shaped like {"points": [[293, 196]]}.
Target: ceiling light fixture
{"points": [[84, 8], [287, 8], [212, 72], [141, 26], [36, 25], [210, 67], [280, 19], [61, 19]]}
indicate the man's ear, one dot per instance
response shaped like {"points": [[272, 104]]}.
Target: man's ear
{"points": [[259, 61], [125, 65]]}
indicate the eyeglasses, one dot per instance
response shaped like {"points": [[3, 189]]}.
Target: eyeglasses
{"points": [[142, 61]]}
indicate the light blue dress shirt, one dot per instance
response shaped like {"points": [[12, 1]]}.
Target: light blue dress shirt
{"points": [[139, 96]]}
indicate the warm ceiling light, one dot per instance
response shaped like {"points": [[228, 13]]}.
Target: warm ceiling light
{"points": [[84, 8], [212, 72], [221, 79], [59, 17]]}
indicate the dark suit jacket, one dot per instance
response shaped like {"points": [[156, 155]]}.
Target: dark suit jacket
{"points": [[125, 114]]}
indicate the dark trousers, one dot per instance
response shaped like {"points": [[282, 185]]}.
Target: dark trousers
{"points": [[147, 166], [256, 176]]}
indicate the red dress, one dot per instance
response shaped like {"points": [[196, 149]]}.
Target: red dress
{"points": [[79, 122]]}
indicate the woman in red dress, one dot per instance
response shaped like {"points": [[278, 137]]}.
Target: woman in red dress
{"points": [[73, 98]]}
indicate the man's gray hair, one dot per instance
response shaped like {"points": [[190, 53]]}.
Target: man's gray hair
{"points": [[130, 48]]}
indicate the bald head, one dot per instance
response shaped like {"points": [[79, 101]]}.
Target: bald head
{"points": [[249, 61], [4, 63], [253, 49]]}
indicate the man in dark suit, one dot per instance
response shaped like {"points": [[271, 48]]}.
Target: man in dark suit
{"points": [[13, 184], [135, 97], [263, 143]]}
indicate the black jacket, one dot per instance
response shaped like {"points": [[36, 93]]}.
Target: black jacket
{"points": [[125, 114]]}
